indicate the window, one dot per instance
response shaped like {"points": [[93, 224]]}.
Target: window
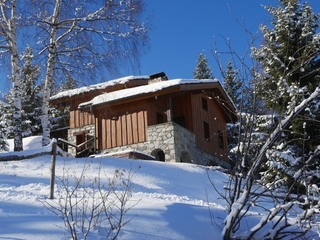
{"points": [[206, 131], [220, 139], [204, 104]]}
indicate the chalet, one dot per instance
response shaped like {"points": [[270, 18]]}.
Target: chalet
{"points": [[169, 120]]}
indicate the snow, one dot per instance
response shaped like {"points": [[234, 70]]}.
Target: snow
{"points": [[81, 90], [151, 88], [170, 200], [173, 199]]}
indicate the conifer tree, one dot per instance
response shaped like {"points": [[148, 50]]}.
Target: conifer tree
{"points": [[30, 96], [289, 55], [202, 70], [30, 99], [290, 63], [231, 83]]}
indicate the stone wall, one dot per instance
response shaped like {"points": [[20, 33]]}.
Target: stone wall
{"points": [[177, 144], [72, 136], [170, 140]]}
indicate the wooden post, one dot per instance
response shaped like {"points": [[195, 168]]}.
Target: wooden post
{"points": [[169, 110], [53, 168]]}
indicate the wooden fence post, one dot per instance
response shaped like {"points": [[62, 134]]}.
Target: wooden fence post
{"points": [[53, 168]]}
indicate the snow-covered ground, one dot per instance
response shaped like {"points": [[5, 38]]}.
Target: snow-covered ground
{"points": [[171, 200]]}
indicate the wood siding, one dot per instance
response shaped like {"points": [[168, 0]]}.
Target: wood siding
{"points": [[121, 125], [80, 118], [181, 108], [214, 117], [155, 106]]}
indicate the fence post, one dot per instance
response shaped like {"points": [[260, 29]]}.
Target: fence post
{"points": [[53, 167]]}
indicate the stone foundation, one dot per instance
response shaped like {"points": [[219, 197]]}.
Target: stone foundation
{"points": [[72, 136], [170, 142], [167, 142]]}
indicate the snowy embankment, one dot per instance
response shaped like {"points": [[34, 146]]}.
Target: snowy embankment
{"points": [[172, 200]]}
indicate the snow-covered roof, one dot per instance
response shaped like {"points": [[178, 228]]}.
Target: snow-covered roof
{"points": [[85, 89], [142, 90]]}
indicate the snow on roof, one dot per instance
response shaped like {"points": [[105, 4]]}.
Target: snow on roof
{"points": [[151, 88], [81, 90]]}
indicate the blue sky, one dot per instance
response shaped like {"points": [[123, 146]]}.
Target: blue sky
{"points": [[182, 29]]}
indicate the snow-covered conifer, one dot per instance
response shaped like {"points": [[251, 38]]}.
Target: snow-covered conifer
{"points": [[289, 53], [232, 84], [290, 63], [286, 164], [202, 70], [30, 96]]}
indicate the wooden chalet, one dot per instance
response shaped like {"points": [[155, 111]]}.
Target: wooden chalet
{"points": [[169, 120]]}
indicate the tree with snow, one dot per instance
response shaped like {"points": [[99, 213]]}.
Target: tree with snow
{"points": [[202, 70], [3, 128], [9, 45], [289, 58], [30, 99], [85, 39], [30, 95], [231, 83], [283, 168], [289, 55], [81, 39], [246, 192]]}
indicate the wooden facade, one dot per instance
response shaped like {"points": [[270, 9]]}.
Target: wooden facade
{"points": [[121, 125], [210, 124], [195, 107]]}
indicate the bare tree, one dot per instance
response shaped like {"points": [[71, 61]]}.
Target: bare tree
{"points": [[85, 39], [78, 39], [100, 203]]}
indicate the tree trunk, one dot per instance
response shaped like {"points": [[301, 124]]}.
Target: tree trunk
{"points": [[49, 76], [13, 49]]}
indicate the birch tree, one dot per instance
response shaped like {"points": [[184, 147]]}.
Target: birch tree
{"points": [[85, 39], [3, 128], [9, 45]]}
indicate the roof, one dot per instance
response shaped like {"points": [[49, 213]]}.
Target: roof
{"points": [[99, 86], [132, 88], [156, 89], [139, 91]]}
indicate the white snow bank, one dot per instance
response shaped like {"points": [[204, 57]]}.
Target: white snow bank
{"points": [[33, 142]]}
